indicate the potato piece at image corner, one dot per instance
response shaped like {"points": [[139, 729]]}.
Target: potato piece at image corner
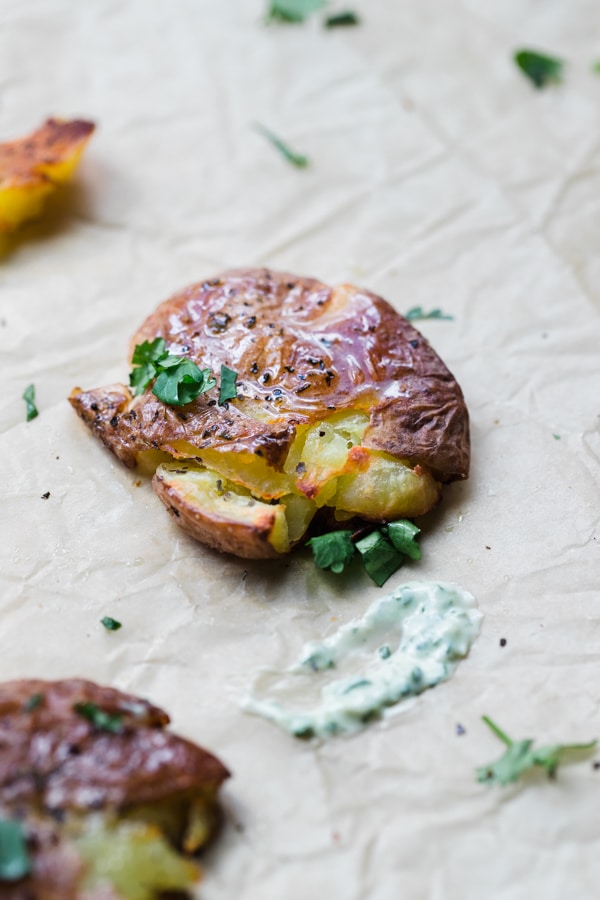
{"points": [[226, 516], [33, 166]]}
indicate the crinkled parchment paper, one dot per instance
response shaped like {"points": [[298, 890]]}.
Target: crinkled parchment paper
{"points": [[440, 177]]}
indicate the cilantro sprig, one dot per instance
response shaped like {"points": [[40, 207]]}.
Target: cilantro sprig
{"points": [[14, 857], [100, 719], [520, 756], [381, 550], [111, 624], [540, 68], [299, 160], [341, 19], [178, 379], [292, 10]]}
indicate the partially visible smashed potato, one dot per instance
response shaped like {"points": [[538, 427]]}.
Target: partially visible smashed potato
{"points": [[342, 411], [33, 166]]}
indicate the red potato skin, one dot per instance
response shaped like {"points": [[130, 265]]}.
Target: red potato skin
{"points": [[24, 161], [54, 761]]}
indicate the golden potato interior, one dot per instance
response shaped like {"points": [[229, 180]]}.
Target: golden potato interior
{"points": [[235, 502], [32, 167]]}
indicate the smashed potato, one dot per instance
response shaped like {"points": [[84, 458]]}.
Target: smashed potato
{"points": [[342, 410], [108, 804], [32, 167]]}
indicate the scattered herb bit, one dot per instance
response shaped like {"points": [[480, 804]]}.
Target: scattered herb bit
{"points": [[596, 67], [14, 858], [417, 312], [33, 702], [100, 719], [342, 18], [380, 558], [556, 437], [178, 380], [28, 396], [403, 535], [382, 551], [333, 551], [296, 159], [540, 68], [521, 756], [111, 624], [228, 389], [292, 10]]}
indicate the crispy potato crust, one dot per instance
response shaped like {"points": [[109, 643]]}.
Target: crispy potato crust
{"points": [[55, 763], [31, 167], [303, 352]]}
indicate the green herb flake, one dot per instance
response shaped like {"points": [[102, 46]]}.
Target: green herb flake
{"points": [[111, 624], [332, 551], [540, 68], [417, 312], [520, 756], [596, 67], [403, 536], [296, 159], [178, 380], [33, 702], [228, 388], [28, 396], [100, 719], [380, 558], [341, 19], [14, 857], [292, 10]]}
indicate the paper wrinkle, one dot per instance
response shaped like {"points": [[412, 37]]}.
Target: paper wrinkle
{"points": [[439, 177]]}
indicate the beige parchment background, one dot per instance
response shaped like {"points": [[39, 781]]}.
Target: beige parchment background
{"points": [[440, 177]]}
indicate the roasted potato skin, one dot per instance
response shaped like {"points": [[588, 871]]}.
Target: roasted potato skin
{"points": [[301, 350], [32, 166], [54, 762]]}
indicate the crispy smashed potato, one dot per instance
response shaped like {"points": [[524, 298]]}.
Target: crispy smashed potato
{"points": [[342, 411], [32, 167], [110, 804]]}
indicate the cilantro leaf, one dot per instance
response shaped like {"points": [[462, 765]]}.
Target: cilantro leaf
{"points": [[100, 719], [341, 19], [228, 389], [296, 159], [520, 756], [540, 68], [292, 10], [178, 380], [380, 558], [596, 67], [28, 396], [417, 312], [332, 551], [403, 535], [14, 857], [111, 624]]}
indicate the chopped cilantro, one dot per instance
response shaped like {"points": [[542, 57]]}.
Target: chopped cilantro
{"points": [[380, 558], [403, 535], [333, 551], [228, 389], [111, 624], [33, 702], [100, 719], [178, 380], [342, 18], [292, 10], [28, 396], [382, 551], [596, 67], [538, 67], [296, 159], [520, 756], [417, 312], [14, 858]]}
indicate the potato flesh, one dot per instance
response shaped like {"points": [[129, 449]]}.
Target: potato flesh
{"points": [[326, 466]]}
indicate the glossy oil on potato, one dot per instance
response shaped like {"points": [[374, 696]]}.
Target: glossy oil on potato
{"points": [[342, 409]]}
